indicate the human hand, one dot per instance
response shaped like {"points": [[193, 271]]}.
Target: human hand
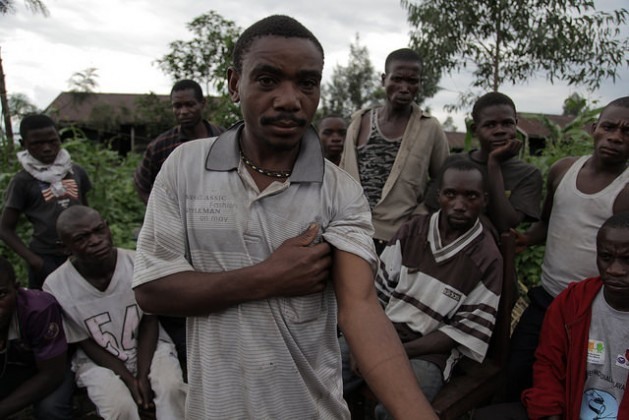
{"points": [[506, 151], [521, 241], [145, 393], [299, 267]]}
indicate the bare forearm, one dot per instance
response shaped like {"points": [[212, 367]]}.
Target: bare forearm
{"points": [[103, 358], [147, 343], [14, 242], [501, 212], [435, 342], [373, 341], [49, 376], [536, 234], [384, 363], [194, 293], [29, 392]]}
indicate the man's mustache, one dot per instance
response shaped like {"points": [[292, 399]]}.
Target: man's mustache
{"points": [[283, 118]]}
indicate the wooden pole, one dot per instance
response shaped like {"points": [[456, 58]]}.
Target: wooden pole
{"points": [[6, 114]]}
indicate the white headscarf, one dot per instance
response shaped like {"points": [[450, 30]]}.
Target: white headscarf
{"points": [[52, 173]]}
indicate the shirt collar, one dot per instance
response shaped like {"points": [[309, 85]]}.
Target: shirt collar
{"points": [[224, 155], [441, 252]]}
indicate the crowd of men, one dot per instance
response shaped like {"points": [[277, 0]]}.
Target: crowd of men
{"points": [[280, 267]]}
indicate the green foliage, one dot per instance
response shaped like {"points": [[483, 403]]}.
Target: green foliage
{"points": [[570, 140], [352, 86], [113, 193], [574, 104], [501, 41], [155, 113], [207, 56], [205, 59]]}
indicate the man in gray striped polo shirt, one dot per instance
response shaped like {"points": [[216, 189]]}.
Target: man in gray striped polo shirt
{"points": [[255, 238]]}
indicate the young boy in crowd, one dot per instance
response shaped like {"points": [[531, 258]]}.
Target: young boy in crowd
{"points": [[332, 129], [582, 361], [515, 187], [127, 364], [32, 351], [48, 183]]}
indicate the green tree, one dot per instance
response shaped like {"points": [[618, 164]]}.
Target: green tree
{"points": [[574, 104], [502, 41], [206, 57], [155, 113], [82, 84], [20, 105], [352, 86]]}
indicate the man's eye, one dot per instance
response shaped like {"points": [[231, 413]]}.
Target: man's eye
{"points": [[266, 81], [309, 84]]}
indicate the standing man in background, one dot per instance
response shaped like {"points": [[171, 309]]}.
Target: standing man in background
{"points": [[394, 149], [188, 103]]}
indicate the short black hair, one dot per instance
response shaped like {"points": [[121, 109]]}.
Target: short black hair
{"points": [[274, 25], [618, 220], [461, 163], [621, 102], [35, 122], [70, 215], [403, 54], [6, 269], [491, 99], [186, 84], [339, 116]]}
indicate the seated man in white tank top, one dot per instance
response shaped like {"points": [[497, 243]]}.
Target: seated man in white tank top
{"points": [[582, 192]]}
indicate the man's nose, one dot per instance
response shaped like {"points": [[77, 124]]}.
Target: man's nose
{"points": [[288, 98]]}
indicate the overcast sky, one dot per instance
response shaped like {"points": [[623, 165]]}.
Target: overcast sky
{"points": [[122, 39]]}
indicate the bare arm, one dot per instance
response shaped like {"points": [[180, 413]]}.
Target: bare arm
{"points": [[537, 232], [501, 212], [50, 374], [373, 340], [103, 358], [435, 342], [622, 201], [147, 343], [296, 268], [8, 233]]}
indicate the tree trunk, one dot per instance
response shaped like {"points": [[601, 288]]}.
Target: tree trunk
{"points": [[6, 114]]}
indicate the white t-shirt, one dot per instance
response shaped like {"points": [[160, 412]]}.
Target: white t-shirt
{"points": [[111, 317]]}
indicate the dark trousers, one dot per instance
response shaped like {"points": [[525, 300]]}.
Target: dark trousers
{"points": [[524, 342]]}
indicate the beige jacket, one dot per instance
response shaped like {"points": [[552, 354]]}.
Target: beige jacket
{"points": [[423, 150]]}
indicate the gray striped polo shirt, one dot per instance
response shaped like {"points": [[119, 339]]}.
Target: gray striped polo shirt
{"points": [[270, 359]]}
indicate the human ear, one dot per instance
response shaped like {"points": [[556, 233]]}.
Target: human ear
{"points": [[233, 82]]}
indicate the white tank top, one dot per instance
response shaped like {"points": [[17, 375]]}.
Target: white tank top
{"points": [[574, 222]]}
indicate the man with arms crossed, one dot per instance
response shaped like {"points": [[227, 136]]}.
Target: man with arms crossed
{"points": [[234, 239]]}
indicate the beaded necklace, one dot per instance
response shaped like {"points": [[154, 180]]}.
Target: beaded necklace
{"points": [[265, 172]]}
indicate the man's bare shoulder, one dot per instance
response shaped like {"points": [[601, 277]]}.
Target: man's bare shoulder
{"points": [[559, 169]]}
